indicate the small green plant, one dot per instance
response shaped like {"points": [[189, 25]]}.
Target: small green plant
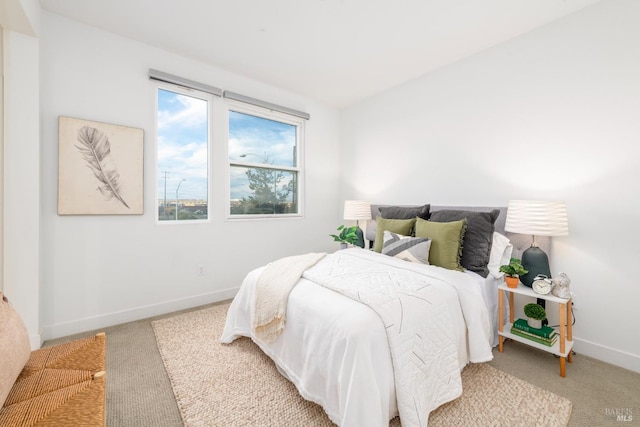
{"points": [[347, 235], [535, 311], [514, 268]]}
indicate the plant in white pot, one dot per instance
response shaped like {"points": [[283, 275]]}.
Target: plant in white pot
{"points": [[535, 315], [347, 236]]}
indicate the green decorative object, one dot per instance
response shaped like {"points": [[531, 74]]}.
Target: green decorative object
{"points": [[535, 311], [349, 235], [535, 315], [514, 268]]}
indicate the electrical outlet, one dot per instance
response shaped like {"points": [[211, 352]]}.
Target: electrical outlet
{"points": [[200, 270]]}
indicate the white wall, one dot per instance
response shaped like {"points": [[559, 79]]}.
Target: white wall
{"points": [[19, 18], [21, 180], [550, 115], [1, 156], [99, 270]]}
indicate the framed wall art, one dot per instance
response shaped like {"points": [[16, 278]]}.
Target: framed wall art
{"points": [[100, 168]]}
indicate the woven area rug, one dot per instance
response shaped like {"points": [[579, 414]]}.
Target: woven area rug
{"points": [[237, 385]]}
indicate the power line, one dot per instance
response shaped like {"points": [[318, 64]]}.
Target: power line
{"points": [[165, 188]]}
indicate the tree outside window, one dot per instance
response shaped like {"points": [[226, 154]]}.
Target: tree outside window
{"points": [[263, 165]]}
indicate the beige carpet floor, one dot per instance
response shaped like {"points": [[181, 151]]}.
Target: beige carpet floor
{"points": [[237, 385]]}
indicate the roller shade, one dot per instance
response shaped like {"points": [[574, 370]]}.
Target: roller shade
{"points": [[264, 104], [169, 78]]}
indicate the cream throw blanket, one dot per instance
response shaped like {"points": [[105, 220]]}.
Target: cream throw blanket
{"points": [[272, 292]]}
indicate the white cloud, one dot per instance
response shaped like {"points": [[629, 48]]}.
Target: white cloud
{"points": [[193, 113]]}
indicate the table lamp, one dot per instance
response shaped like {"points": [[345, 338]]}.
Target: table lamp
{"points": [[537, 218], [357, 210]]}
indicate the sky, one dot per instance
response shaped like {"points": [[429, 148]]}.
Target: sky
{"points": [[183, 146]]}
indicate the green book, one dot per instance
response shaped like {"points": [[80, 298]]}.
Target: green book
{"points": [[545, 331], [548, 343], [528, 334]]}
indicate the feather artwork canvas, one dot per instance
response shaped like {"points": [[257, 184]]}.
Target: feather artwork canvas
{"points": [[100, 168]]}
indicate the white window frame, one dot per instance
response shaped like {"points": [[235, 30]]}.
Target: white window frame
{"points": [[210, 115], [253, 110]]}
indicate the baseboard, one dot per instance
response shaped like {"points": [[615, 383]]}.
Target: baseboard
{"points": [[35, 340], [607, 354], [110, 319]]}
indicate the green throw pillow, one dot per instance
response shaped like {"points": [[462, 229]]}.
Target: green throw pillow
{"points": [[446, 241], [398, 226]]}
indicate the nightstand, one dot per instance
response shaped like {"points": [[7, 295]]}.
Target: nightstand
{"points": [[562, 347]]}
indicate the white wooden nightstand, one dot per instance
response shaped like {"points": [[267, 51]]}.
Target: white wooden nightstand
{"points": [[562, 347]]}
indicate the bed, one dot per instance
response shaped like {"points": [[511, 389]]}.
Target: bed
{"points": [[337, 348]]}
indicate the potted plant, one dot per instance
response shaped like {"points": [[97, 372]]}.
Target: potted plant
{"points": [[535, 315], [512, 272], [347, 236]]}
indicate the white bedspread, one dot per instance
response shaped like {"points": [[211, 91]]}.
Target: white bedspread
{"points": [[272, 293], [335, 349]]}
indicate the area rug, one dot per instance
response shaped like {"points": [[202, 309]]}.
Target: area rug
{"points": [[237, 385]]}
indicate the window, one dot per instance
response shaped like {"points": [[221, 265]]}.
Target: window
{"points": [[182, 154], [264, 166]]}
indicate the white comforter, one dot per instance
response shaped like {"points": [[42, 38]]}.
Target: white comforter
{"points": [[335, 349]]}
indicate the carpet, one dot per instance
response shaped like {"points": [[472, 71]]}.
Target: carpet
{"points": [[237, 385]]}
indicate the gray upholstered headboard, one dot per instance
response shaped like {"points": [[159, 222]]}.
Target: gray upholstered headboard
{"points": [[520, 242]]}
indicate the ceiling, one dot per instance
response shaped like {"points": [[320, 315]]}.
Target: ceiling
{"points": [[335, 51]]}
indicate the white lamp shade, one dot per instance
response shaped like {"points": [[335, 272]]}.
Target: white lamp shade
{"points": [[357, 209], [537, 218]]}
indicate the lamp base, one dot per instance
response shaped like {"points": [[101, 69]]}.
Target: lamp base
{"points": [[360, 241], [536, 261]]}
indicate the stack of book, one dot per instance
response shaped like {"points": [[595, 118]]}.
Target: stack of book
{"points": [[545, 335]]}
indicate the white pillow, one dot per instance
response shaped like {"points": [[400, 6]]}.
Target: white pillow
{"points": [[412, 249], [501, 249]]}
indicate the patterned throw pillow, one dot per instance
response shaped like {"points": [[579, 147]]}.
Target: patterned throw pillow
{"points": [[412, 249], [399, 226]]}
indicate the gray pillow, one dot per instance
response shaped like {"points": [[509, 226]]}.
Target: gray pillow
{"points": [[405, 212], [476, 244]]}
